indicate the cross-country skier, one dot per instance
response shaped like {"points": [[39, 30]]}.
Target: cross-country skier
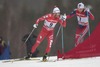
{"points": [[83, 14], [50, 21]]}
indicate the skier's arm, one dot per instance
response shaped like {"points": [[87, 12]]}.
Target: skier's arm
{"points": [[62, 22], [91, 16], [40, 19], [71, 14], [88, 13]]}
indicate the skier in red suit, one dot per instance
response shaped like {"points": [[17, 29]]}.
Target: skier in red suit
{"points": [[50, 21], [83, 14]]}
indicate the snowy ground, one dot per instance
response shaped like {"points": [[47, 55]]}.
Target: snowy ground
{"points": [[86, 62]]}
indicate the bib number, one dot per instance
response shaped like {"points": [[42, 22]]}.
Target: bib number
{"points": [[51, 24]]}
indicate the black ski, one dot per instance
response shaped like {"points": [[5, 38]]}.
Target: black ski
{"points": [[20, 59]]}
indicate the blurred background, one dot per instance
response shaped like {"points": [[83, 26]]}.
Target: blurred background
{"points": [[18, 16]]}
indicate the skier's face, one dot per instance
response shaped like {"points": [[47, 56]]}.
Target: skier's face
{"points": [[80, 9], [56, 14]]}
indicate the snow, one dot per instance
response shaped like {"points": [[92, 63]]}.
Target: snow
{"points": [[84, 62]]}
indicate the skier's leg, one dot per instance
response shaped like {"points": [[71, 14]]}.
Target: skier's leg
{"points": [[80, 33], [84, 31], [40, 38], [50, 41], [82, 39], [77, 35]]}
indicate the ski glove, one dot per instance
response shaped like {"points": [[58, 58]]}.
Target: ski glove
{"points": [[35, 25], [87, 9], [63, 17]]}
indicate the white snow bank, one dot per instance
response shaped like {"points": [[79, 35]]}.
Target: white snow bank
{"points": [[86, 62]]}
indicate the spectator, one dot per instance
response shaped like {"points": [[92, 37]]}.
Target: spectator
{"points": [[2, 45]]}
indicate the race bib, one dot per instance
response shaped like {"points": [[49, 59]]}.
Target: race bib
{"points": [[82, 19], [49, 24]]}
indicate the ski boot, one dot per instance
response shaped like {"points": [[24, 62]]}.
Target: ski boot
{"points": [[28, 56], [45, 58]]}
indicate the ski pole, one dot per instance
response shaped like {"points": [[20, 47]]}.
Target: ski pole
{"points": [[89, 29], [88, 26], [29, 35], [62, 40], [57, 35], [88, 9], [58, 31]]}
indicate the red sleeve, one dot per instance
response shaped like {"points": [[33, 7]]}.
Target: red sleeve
{"points": [[91, 16], [69, 16], [63, 23], [42, 18]]}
